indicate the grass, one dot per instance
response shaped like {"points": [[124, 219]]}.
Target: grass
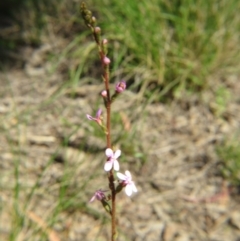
{"points": [[162, 49], [229, 154], [64, 192], [167, 47]]}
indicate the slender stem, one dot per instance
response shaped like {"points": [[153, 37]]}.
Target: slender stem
{"points": [[87, 15], [111, 184], [96, 31], [108, 136], [109, 145], [106, 81]]}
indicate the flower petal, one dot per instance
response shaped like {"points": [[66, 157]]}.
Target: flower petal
{"points": [[128, 190], [92, 199], [99, 112], [128, 174], [117, 154], [109, 152], [116, 165], [90, 117], [108, 166], [133, 187], [121, 176]]}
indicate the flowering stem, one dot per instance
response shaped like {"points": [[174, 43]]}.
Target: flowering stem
{"points": [[102, 49], [108, 136]]}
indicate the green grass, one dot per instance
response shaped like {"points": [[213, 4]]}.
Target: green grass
{"points": [[229, 154], [161, 48], [166, 47]]}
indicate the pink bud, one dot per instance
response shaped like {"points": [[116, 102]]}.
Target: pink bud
{"points": [[105, 41], [104, 93], [120, 86], [97, 30], [106, 60]]}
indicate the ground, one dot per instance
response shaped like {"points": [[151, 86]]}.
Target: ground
{"points": [[48, 143]]}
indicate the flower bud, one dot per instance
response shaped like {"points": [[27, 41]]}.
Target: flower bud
{"points": [[93, 20], [120, 86], [106, 60], [97, 30], [104, 46], [105, 41], [104, 93]]}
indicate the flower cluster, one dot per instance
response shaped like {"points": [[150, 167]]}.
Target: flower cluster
{"points": [[126, 180], [112, 157]]}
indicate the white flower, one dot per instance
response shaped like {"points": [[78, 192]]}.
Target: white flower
{"points": [[127, 182], [112, 161]]}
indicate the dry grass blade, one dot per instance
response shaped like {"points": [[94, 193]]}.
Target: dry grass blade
{"points": [[52, 235]]}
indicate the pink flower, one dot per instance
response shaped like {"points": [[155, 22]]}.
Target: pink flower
{"points": [[120, 86], [112, 161], [99, 195], [97, 118], [127, 182]]}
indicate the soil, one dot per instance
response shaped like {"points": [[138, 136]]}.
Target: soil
{"points": [[170, 149]]}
